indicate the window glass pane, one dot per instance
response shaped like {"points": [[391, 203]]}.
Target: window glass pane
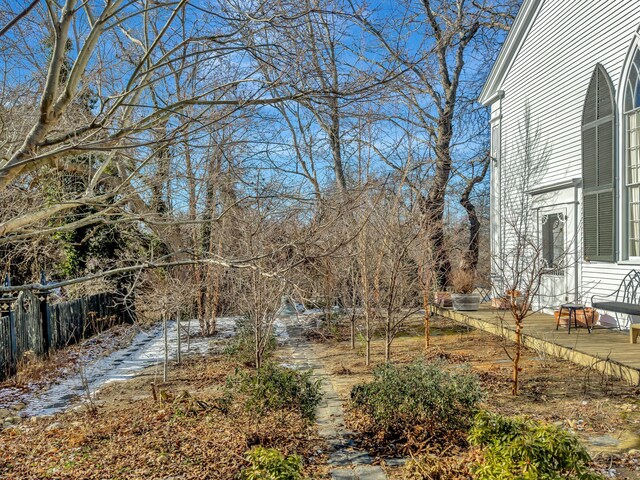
{"points": [[495, 142], [553, 241], [633, 149], [632, 94], [633, 81], [634, 220]]}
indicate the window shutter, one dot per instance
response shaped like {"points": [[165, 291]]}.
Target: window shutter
{"points": [[605, 225], [598, 169], [605, 106], [590, 225], [590, 158], [605, 153], [591, 102]]}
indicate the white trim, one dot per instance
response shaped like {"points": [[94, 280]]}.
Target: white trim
{"points": [[621, 157], [511, 47], [573, 182], [499, 95]]}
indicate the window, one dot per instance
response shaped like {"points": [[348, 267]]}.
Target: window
{"points": [[598, 134], [495, 141], [632, 173], [553, 243]]}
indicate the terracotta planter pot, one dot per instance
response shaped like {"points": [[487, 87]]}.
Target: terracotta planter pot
{"points": [[564, 319], [583, 317], [501, 303], [443, 299], [504, 303]]}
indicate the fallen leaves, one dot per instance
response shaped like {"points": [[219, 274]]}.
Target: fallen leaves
{"points": [[185, 436]]}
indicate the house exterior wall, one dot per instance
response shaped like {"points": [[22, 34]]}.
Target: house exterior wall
{"points": [[548, 77]]}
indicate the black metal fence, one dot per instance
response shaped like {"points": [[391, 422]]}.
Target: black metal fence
{"points": [[29, 323]]}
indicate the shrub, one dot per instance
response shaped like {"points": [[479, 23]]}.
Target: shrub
{"points": [[243, 344], [420, 403], [270, 464], [517, 448], [463, 281], [274, 387]]}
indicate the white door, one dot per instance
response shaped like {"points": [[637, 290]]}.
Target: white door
{"points": [[555, 231]]}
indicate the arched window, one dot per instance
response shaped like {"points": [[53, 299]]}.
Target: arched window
{"points": [[632, 167], [598, 133]]}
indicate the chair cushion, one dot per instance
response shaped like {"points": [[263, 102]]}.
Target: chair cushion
{"points": [[620, 307]]}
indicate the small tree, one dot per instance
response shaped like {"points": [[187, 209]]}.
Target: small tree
{"points": [[400, 289], [260, 302], [520, 263]]}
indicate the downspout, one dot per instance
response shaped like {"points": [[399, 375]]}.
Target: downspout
{"points": [[500, 163], [577, 294]]}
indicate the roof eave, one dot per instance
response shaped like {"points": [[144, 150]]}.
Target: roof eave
{"points": [[508, 51]]}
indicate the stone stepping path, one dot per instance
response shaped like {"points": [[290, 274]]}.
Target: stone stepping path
{"points": [[350, 463]]}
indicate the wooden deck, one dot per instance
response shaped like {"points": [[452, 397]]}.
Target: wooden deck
{"points": [[607, 351]]}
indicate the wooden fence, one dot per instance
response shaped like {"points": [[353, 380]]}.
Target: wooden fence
{"points": [[29, 323]]}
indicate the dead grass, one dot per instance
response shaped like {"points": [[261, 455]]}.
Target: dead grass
{"points": [[552, 390], [189, 432]]}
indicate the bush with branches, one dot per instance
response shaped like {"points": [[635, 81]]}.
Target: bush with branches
{"points": [[523, 449], [418, 404], [273, 387]]}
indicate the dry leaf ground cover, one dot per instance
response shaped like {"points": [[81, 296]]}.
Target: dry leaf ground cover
{"points": [[191, 430], [598, 408]]}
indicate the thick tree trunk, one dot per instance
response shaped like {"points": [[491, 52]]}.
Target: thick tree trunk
{"points": [[472, 254], [336, 148], [473, 246], [433, 205]]}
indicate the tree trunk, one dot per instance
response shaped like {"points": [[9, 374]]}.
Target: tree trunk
{"points": [[387, 348], [165, 366], [257, 345], [367, 333], [427, 318], [426, 286], [179, 339], [353, 331], [516, 357], [336, 147], [472, 254]]}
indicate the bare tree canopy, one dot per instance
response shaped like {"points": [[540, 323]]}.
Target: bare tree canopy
{"points": [[176, 134]]}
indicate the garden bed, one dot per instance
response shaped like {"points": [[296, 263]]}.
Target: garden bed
{"points": [[602, 411], [189, 430]]}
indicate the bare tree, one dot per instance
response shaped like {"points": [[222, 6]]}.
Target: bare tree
{"points": [[434, 86], [520, 263]]}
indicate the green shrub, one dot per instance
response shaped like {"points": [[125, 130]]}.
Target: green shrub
{"points": [[270, 464], [274, 387], [243, 344], [419, 403], [522, 449]]}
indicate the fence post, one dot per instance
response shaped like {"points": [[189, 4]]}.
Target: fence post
{"points": [[13, 335], [44, 315]]}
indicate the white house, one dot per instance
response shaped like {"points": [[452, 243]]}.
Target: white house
{"points": [[572, 69]]}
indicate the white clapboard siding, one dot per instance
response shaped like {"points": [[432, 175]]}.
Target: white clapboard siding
{"points": [[550, 74], [553, 68]]}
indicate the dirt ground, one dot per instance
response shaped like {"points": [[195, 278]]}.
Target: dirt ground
{"points": [[136, 433], [140, 429], [602, 411]]}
